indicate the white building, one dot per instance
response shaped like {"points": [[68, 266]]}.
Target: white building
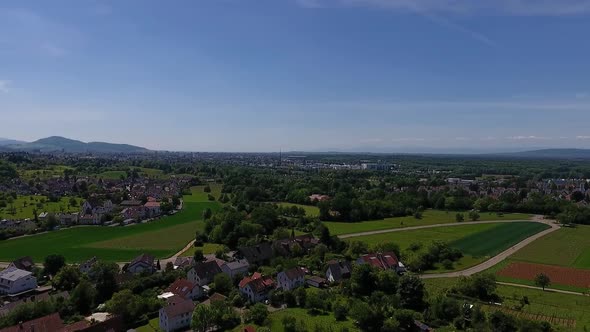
{"points": [[291, 279], [177, 315], [15, 281]]}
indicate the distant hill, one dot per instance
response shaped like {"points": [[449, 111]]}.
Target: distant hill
{"points": [[552, 154], [7, 141], [62, 144]]}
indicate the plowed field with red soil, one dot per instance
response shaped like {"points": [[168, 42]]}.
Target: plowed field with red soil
{"points": [[557, 274]]}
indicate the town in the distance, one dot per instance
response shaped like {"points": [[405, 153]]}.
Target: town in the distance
{"points": [[109, 237]]}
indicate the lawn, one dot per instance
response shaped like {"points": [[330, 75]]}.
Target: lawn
{"points": [[497, 239], [566, 247], [327, 322], [207, 248], [477, 242], [152, 326], [544, 303], [310, 210], [43, 174], [24, 206], [113, 175], [200, 195], [161, 238], [429, 217]]}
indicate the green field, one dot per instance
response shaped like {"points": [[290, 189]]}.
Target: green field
{"points": [[545, 303], [207, 248], [495, 240], [24, 206], [43, 174], [310, 210], [429, 217], [200, 195], [566, 247], [113, 175], [327, 321], [152, 326], [477, 241], [161, 238]]}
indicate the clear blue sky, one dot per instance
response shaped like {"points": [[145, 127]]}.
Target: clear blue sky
{"points": [[264, 75]]}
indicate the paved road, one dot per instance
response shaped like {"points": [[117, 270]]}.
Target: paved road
{"points": [[551, 290], [404, 229]]}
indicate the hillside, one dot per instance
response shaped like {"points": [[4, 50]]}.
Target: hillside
{"points": [[553, 154], [62, 144]]}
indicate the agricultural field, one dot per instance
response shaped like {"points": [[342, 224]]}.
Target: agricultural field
{"points": [[429, 217], [497, 239], [558, 274], [477, 242], [310, 210], [566, 247], [161, 238], [24, 206], [564, 306]]}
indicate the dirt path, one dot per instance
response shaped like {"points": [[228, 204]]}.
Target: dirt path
{"points": [[549, 290], [404, 229], [173, 258]]}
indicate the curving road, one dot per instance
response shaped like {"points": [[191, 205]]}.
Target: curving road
{"points": [[482, 266]]}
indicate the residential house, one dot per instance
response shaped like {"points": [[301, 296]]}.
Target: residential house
{"points": [[93, 206], [49, 323], [68, 218], [20, 226], [318, 198], [134, 212], [338, 271], [23, 263], [234, 268], [286, 247], [176, 315], [183, 262], [16, 281], [152, 207], [185, 289], [142, 263], [129, 203], [383, 261], [88, 265], [257, 287], [89, 219], [257, 254], [317, 282], [203, 273], [291, 279]]}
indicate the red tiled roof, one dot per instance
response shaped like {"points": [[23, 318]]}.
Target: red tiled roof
{"points": [[50, 323], [181, 287]]}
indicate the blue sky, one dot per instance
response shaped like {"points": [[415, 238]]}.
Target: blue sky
{"points": [[264, 75]]}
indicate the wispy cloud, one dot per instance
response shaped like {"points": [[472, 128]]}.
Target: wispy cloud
{"points": [[532, 137], [469, 7], [408, 139], [582, 137], [4, 84]]}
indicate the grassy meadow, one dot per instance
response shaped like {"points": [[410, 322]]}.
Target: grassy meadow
{"points": [[429, 217], [24, 206], [310, 210], [161, 238]]}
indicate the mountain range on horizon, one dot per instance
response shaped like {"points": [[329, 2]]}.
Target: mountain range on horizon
{"points": [[66, 145], [62, 144]]}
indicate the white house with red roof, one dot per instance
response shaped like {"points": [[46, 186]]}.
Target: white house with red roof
{"points": [[256, 287], [383, 261], [185, 289]]}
